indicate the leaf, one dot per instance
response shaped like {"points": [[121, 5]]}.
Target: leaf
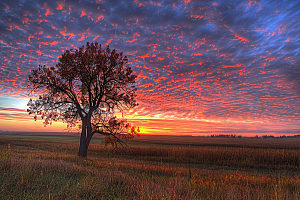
{"points": [[88, 83]]}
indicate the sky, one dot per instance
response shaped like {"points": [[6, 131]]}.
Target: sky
{"points": [[204, 67]]}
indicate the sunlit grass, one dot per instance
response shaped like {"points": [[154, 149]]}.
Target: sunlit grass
{"points": [[51, 170], [233, 157]]}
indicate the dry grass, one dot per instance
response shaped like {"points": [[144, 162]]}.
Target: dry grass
{"points": [[233, 157], [51, 170], [197, 141]]}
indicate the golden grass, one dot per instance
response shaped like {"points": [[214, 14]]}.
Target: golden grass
{"points": [[233, 157], [51, 170], [196, 141]]}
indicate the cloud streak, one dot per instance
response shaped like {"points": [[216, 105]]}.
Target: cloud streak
{"points": [[225, 61]]}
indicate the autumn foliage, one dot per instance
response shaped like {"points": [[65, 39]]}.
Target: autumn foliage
{"points": [[85, 89]]}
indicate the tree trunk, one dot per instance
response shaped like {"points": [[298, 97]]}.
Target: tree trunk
{"points": [[85, 137], [84, 145], [82, 148]]}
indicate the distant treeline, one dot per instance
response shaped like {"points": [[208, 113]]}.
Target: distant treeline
{"points": [[282, 136], [263, 136], [226, 136]]}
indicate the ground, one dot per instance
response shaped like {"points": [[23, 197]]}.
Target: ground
{"points": [[35, 166]]}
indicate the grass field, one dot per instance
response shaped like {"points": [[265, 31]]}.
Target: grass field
{"points": [[163, 167]]}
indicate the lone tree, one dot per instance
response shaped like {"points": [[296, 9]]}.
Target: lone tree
{"points": [[87, 85]]}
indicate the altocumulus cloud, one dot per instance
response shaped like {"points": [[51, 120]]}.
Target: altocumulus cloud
{"points": [[226, 62]]}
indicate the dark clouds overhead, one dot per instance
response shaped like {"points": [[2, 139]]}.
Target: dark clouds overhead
{"points": [[233, 62]]}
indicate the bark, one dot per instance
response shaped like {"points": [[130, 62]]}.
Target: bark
{"points": [[85, 137], [83, 148]]}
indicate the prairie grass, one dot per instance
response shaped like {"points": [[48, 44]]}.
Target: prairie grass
{"points": [[51, 170], [232, 157]]}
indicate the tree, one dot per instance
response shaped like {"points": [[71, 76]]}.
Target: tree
{"points": [[85, 89]]}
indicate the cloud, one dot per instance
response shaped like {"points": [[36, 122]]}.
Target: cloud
{"points": [[194, 59]]}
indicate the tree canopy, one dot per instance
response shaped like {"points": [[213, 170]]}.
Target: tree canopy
{"points": [[86, 88]]}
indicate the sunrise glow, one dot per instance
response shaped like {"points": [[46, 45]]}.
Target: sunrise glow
{"points": [[203, 67]]}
